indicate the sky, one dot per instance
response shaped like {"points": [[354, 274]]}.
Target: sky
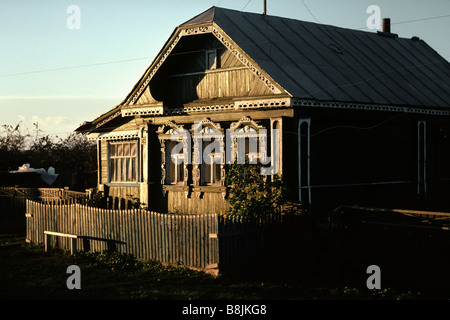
{"points": [[60, 67]]}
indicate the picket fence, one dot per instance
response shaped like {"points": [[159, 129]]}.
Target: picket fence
{"points": [[13, 203], [209, 242]]}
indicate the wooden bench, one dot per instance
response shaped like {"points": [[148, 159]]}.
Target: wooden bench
{"points": [[73, 245]]}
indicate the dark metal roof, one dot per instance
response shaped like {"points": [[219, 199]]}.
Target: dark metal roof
{"points": [[323, 62]]}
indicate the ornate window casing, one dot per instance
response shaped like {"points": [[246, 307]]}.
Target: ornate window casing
{"points": [[248, 142], [209, 154], [421, 158], [304, 160], [175, 145]]}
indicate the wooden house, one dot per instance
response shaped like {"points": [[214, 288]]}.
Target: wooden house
{"points": [[362, 117]]}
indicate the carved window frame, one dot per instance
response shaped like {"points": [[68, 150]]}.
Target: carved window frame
{"points": [[209, 130], [247, 128], [171, 132]]}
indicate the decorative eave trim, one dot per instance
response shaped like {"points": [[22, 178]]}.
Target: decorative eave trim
{"points": [[238, 105], [246, 60], [107, 119], [116, 135], [137, 110], [369, 107]]}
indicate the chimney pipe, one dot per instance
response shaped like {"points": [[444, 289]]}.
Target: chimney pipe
{"points": [[387, 25], [265, 7]]}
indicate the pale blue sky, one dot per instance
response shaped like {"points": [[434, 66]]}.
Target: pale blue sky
{"points": [[98, 64]]}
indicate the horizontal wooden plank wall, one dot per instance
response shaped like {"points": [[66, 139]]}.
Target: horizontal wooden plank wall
{"points": [[209, 202], [209, 241]]}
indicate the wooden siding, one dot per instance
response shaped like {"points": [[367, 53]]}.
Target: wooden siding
{"points": [[122, 197], [209, 202], [103, 162], [185, 75]]}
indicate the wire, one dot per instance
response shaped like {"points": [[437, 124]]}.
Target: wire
{"points": [[152, 57], [303, 1], [416, 20], [72, 67], [355, 127], [246, 5], [409, 21]]}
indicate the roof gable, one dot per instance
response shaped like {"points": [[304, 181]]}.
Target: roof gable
{"points": [[317, 62], [321, 62], [202, 26]]}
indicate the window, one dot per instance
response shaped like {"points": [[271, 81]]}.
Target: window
{"points": [[247, 145], [304, 154], [212, 61], [123, 161], [421, 158], [212, 158], [175, 160]]}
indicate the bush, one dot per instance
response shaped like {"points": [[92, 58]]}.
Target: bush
{"points": [[252, 194]]}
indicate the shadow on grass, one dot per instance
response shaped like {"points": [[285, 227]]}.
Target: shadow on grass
{"points": [[27, 272]]}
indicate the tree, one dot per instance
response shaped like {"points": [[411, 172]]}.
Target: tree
{"points": [[252, 194], [74, 157], [12, 139]]}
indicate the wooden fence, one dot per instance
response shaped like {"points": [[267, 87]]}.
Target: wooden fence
{"points": [[45, 195], [209, 242], [13, 203]]}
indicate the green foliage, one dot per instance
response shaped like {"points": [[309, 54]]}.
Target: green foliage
{"points": [[252, 194]]}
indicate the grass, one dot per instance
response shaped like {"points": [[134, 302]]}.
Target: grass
{"points": [[27, 272]]}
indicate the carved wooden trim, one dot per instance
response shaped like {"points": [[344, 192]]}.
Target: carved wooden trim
{"points": [[170, 124], [206, 122], [224, 39], [166, 133], [114, 115], [144, 111], [245, 121], [371, 107], [246, 127], [220, 35], [195, 30], [156, 67]]}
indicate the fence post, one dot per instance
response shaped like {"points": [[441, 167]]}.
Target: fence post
{"points": [[46, 241]]}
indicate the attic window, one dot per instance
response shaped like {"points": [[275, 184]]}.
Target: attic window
{"points": [[212, 61]]}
